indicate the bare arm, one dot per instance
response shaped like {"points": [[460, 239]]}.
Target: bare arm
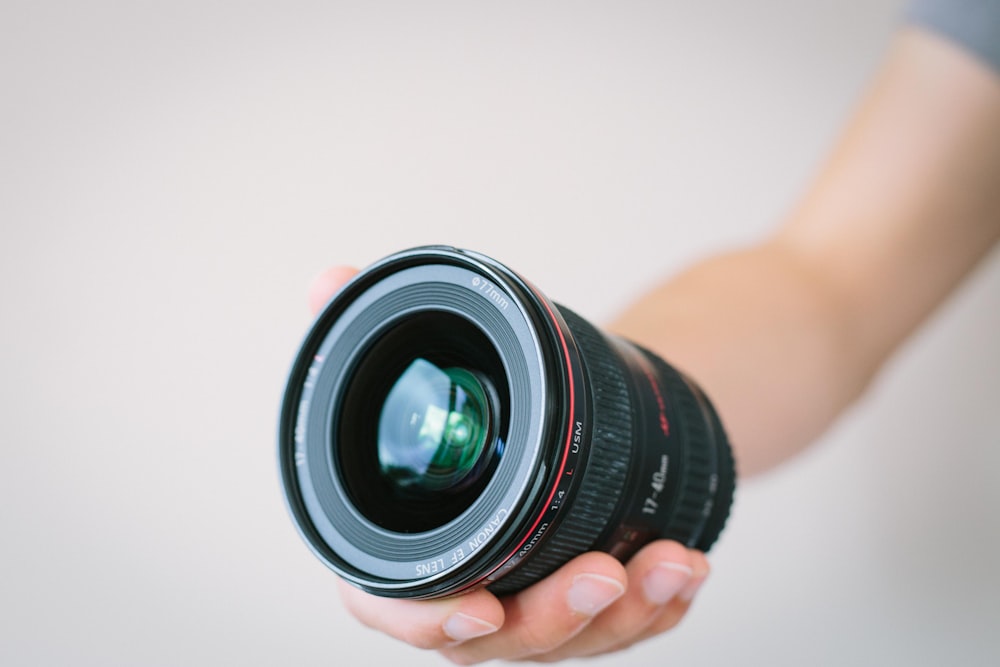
{"points": [[784, 335]]}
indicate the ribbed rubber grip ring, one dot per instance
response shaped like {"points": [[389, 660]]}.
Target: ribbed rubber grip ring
{"points": [[605, 465]]}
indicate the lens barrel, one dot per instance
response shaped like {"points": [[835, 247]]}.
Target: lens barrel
{"points": [[445, 427]]}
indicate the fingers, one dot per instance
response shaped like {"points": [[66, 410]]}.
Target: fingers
{"points": [[592, 605], [543, 617], [660, 577], [326, 284], [429, 624], [674, 611]]}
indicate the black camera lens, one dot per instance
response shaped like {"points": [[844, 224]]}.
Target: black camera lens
{"points": [[445, 426]]}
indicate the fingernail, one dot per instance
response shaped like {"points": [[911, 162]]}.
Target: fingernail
{"points": [[462, 627], [689, 591], [665, 581], [591, 593]]}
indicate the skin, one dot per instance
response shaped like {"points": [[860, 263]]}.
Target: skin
{"points": [[905, 207]]}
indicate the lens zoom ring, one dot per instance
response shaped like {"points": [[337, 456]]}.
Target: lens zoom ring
{"points": [[604, 469], [702, 468], [726, 477]]}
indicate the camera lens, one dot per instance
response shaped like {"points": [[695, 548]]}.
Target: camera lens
{"points": [[445, 426]]}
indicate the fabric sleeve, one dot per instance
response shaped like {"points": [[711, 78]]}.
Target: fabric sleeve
{"points": [[972, 24]]}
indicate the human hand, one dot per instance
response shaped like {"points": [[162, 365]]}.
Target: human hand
{"points": [[594, 604]]}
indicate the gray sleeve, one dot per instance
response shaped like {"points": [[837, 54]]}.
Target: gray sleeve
{"points": [[973, 24]]}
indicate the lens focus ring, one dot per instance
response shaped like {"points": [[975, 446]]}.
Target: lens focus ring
{"points": [[604, 467]]}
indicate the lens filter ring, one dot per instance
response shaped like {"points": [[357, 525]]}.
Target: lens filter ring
{"points": [[392, 561]]}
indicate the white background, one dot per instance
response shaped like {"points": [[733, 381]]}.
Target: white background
{"points": [[172, 175]]}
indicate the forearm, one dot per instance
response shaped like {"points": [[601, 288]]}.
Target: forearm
{"points": [[910, 200], [784, 335], [764, 340]]}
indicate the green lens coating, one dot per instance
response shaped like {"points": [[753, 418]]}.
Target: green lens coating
{"points": [[433, 428]]}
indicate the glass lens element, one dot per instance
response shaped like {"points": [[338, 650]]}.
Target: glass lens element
{"points": [[434, 428]]}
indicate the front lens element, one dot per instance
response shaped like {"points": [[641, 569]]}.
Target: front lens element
{"points": [[420, 430], [434, 428]]}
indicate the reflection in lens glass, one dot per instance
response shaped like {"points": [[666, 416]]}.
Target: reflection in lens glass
{"points": [[433, 428]]}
